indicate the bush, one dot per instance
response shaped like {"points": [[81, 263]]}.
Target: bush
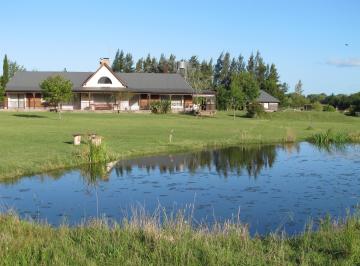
{"points": [[317, 106], [255, 109], [155, 107], [160, 107], [329, 108], [354, 110]]}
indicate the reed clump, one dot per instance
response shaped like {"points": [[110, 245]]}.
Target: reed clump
{"points": [[329, 137]]}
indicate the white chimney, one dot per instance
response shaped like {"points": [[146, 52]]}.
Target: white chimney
{"points": [[105, 60]]}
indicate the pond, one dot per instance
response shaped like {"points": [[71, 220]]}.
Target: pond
{"points": [[269, 187]]}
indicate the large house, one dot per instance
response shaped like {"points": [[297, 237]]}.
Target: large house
{"points": [[106, 90]]}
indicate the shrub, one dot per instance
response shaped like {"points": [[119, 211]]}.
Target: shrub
{"points": [[329, 108], [165, 106], [354, 110], [162, 107], [329, 137], [316, 106], [255, 109]]}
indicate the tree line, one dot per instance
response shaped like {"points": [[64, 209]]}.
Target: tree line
{"points": [[237, 81]]}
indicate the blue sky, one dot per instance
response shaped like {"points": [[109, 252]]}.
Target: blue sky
{"points": [[305, 39]]}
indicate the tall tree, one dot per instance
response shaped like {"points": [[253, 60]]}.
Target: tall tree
{"points": [[119, 61], [260, 69], [172, 64], [139, 65], [217, 69], [225, 71], [240, 64], [237, 97], [163, 64], [251, 64], [154, 65], [128, 63], [5, 77], [57, 90], [147, 64], [298, 88]]}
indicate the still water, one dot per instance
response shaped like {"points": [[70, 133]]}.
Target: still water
{"points": [[269, 187]]}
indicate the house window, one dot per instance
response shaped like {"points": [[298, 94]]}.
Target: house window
{"points": [[104, 80]]}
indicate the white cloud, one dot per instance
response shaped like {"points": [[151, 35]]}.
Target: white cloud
{"points": [[347, 62]]}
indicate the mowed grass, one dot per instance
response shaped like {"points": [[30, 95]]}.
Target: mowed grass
{"points": [[145, 242], [36, 142]]}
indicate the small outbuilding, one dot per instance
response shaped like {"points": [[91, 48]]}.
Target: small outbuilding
{"points": [[269, 102]]}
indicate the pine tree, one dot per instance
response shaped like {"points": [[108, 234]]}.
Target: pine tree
{"points": [[147, 64], [139, 65], [251, 65], [172, 64], [260, 69], [128, 63], [116, 59], [217, 69], [225, 71], [163, 64], [154, 65], [240, 64], [5, 77], [119, 61], [298, 88], [233, 67]]}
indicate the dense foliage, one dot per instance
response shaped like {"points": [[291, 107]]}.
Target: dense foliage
{"points": [[57, 90]]}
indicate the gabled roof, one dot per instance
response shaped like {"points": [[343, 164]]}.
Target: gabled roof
{"points": [[265, 97], [28, 81]]}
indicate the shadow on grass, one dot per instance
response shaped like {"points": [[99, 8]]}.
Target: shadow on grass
{"points": [[29, 116], [69, 142], [240, 116]]}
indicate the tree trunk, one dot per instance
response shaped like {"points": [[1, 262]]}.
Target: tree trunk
{"points": [[234, 113], [59, 111]]}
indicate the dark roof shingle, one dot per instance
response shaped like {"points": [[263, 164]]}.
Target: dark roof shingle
{"points": [[136, 82]]}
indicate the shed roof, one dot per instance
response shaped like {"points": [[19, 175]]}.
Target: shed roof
{"points": [[265, 97]]}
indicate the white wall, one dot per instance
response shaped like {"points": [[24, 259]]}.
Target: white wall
{"points": [[103, 71], [13, 101]]}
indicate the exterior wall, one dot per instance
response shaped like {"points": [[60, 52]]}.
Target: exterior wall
{"points": [[103, 72], [270, 107], [16, 100]]}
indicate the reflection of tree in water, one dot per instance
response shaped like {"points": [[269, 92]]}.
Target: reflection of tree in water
{"points": [[93, 173], [252, 159]]}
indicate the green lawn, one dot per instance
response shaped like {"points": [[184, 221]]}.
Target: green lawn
{"points": [[35, 142]]}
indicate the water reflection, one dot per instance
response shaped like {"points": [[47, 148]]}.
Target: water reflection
{"points": [[251, 159]]}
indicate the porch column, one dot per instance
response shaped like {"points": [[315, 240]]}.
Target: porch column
{"points": [[149, 98], [33, 100], [89, 99], [183, 102], [18, 104]]}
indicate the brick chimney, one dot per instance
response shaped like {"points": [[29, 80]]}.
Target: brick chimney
{"points": [[105, 60]]}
